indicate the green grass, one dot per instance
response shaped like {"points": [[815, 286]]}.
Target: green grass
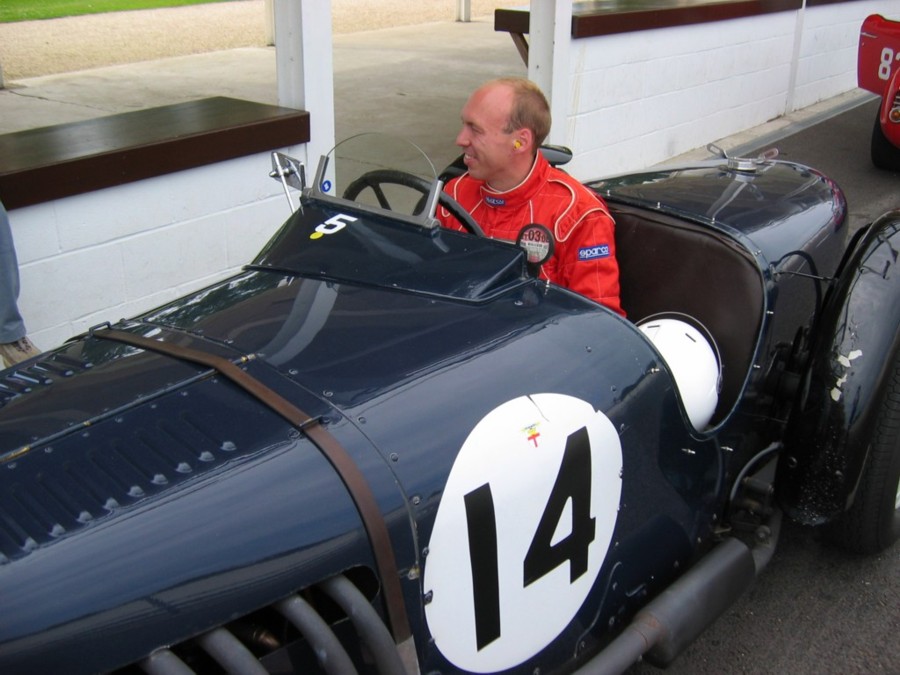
{"points": [[30, 10]]}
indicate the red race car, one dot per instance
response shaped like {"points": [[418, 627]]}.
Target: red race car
{"points": [[878, 71]]}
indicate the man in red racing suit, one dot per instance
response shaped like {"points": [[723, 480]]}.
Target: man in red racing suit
{"points": [[509, 184]]}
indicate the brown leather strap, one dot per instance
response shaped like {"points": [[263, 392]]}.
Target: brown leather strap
{"points": [[350, 474]]}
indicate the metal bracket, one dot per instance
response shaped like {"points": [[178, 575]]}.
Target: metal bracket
{"points": [[290, 172], [745, 164]]}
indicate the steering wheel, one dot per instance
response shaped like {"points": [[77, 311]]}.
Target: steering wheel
{"points": [[373, 180]]}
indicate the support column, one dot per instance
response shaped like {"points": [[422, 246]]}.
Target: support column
{"points": [[464, 10], [269, 21], [550, 31], [304, 67], [795, 59]]}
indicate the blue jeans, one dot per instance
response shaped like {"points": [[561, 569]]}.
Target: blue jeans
{"points": [[12, 327]]}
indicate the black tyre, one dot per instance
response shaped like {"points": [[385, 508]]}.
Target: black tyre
{"points": [[884, 154], [873, 522]]}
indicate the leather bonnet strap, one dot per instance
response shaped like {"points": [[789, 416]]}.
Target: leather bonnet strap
{"points": [[353, 478]]}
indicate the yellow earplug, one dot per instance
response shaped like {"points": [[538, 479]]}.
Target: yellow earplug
{"points": [[517, 144]]}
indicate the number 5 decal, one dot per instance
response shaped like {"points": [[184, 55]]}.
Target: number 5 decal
{"points": [[522, 530], [332, 225]]}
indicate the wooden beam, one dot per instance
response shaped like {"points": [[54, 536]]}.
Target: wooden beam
{"points": [[40, 165]]}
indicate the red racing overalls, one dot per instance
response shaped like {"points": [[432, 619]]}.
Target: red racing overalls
{"points": [[584, 256]]}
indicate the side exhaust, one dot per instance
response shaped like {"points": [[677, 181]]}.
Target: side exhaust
{"points": [[662, 630]]}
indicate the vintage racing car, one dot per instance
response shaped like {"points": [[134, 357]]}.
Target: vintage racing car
{"points": [[878, 71], [386, 447]]}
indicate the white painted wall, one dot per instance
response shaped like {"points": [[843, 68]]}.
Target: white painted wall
{"points": [[113, 253], [637, 99], [117, 252]]}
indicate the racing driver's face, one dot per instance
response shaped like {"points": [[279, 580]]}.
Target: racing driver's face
{"points": [[488, 150]]}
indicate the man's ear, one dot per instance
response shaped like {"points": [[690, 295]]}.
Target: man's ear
{"points": [[525, 140]]}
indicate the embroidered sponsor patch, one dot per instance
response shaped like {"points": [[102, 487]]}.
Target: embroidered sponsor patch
{"points": [[495, 201], [593, 252]]}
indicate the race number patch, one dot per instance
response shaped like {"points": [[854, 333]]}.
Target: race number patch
{"points": [[332, 225], [522, 530]]}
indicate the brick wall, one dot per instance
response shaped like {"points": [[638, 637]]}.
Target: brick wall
{"points": [[637, 99], [113, 253]]}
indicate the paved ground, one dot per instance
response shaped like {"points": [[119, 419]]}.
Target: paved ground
{"points": [[36, 48], [814, 611], [399, 74]]}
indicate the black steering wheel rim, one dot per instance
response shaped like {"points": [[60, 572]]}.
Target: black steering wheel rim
{"points": [[374, 179]]}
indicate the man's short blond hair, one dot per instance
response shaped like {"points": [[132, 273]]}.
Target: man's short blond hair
{"points": [[530, 109]]}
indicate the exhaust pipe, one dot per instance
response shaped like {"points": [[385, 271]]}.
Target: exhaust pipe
{"points": [[662, 629]]}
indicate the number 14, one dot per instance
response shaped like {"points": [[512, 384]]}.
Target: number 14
{"points": [[543, 556]]}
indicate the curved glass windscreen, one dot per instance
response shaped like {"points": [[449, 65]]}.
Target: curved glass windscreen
{"points": [[380, 172]]}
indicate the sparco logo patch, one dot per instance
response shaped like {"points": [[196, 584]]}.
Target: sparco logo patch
{"points": [[593, 252], [495, 201]]}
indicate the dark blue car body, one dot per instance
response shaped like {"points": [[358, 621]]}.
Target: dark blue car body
{"points": [[158, 511]]}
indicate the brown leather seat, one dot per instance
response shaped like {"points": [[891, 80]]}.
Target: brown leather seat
{"points": [[667, 265]]}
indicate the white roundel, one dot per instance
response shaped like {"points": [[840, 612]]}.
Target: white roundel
{"points": [[522, 530]]}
